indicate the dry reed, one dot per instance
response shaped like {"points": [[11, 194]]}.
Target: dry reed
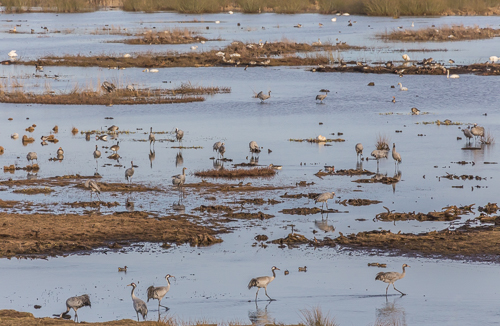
{"points": [[315, 317], [443, 33], [236, 173], [382, 142]]}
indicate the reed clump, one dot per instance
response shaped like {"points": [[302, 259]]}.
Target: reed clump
{"points": [[316, 317], [382, 142], [175, 36], [67, 6], [236, 173], [443, 33]]}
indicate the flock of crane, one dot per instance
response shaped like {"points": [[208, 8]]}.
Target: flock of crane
{"points": [[159, 292]]}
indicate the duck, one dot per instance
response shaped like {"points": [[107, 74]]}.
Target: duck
{"points": [[122, 269]]}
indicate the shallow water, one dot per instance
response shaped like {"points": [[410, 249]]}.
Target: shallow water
{"points": [[211, 282]]}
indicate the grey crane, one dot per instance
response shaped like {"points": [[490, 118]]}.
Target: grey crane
{"points": [[32, 156], [378, 154], [468, 134], [321, 97], [323, 198], [254, 148], [216, 147], [139, 305], [60, 151], [116, 147], [113, 128], [477, 131], [391, 277], [129, 172], [108, 87], [396, 156], [94, 187], [76, 303], [179, 179], [262, 282], [152, 138], [157, 293], [263, 96], [222, 149], [359, 150], [179, 134]]}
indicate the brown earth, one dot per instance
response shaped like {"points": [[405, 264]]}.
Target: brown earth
{"points": [[51, 234], [359, 202], [449, 213]]}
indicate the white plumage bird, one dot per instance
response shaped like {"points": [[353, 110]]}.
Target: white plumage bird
{"points": [[401, 88]]}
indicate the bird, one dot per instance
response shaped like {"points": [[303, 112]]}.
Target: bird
{"points": [[395, 155], [415, 111], [216, 147], [359, 150], [38, 68], [113, 128], [60, 151], [101, 137], [179, 179], [454, 76], [97, 153], [493, 58], [153, 70], [378, 154], [334, 19], [122, 269], [129, 172], [127, 55], [94, 187], [254, 148], [263, 96], [14, 135], [394, 99], [321, 97], [108, 87], [406, 57], [317, 43], [391, 277], [157, 293], [467, 133], [179, 134], [451, 61], [401, 88], [476, 131], [262, 282], [152, 138], [139, 305], [12, 54], [412, 24], [323, 198], [76, 303], [116, 147], [230, 12], [32, 156], [13, 30], [194, 47], [222, 149]]}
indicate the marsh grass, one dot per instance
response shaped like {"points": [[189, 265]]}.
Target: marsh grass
{"points": [[174, 36], [236, 173], [67, 6], [443, 33], [383, 141], [315, 317], [488, 138]]}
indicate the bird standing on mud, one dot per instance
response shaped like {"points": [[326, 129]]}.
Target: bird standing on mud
{"points": [[157, 293], [152, 138], [179, 179], [262, 282], [391, 277], [76, 303], [139, 305], [323, 198]]}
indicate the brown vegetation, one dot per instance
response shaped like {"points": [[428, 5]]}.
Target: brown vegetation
{"points": [[359, 202], [175, 36], [236, 173], [50, 234], [443, 33], [449, 213]]}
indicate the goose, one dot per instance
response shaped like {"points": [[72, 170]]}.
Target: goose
{"points": [[454, 76], [394, 99], [12, 54], [334, 19], [115, 148], [401, 88]]}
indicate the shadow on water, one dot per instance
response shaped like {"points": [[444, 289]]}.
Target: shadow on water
{"points": [[323, 224], [179, 160], [391, 313], [260, 316]]}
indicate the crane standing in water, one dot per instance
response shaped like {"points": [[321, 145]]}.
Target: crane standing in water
{"points": [[391, 277], [157, 293], [262, 282], [323, 198], [76, 303], [139, 305]]}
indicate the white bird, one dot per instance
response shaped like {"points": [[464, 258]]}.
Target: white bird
{"points": [[150, 70], [263, 96], [129, 172], [317, 43], [401, 88], [126, 55], [359, 150], [493, 58], [179, 179], [230, 12], [391, 277], [395, 155], [412, 24], [194, 47], [454, 76], [157, 293], [220, 54], [14, 135], [94, 187], [323, 198], [76, 303], [406, 57], [321, 138], [262, 282], [12, 53], [139, 305], [217, 21], [254, 148], [345, 14], [334, 19]]}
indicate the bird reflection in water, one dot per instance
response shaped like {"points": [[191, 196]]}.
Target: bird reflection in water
{"points": [[179, 208], [218, 164], [32, 176], [359, 166], [260, 317], [152, 156], [323, 224], [397, 178], [391, 314], [129, 204], [179, 160]]}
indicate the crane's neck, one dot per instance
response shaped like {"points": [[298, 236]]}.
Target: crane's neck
{"points": [[168, 282], [274, 274], [132, 294], [404, 273]]}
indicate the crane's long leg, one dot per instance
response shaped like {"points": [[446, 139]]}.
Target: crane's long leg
{"points": [[387, 288], [98, 196], [137, 315], [256, 294], [397, 289], [267, 295], [76, 315], [327, 205]]}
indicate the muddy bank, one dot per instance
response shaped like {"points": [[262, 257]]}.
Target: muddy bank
{"points": [[449, 213], [35, 235], [229, 187], [440, 34], [359, 202], [307, 211], [264, 172], [478, 243]]}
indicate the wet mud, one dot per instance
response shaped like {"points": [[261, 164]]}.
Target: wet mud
{"points": [[359, 202], [449, 213]]}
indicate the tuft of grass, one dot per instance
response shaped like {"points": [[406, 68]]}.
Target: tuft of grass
{"points": [[382, 142], [439, 34], [174, 36], [236, 173], [68, 6], [315, 317], [488, 139]]}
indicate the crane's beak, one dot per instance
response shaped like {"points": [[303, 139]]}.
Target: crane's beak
{"points": [[278, 269]]}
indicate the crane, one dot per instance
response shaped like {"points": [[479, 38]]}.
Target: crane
{"points": [[396, 156], [467, 133], [262, 282], [359, 150], [179, 134], [476, 131], [263, 96], [152, 138], [222, 149], [216, 147], [323, 198], [378, 154], [157, 293], [76, 303], [94, 187], [130, 171], [139, 305], [179, 179], [391, 277]]}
